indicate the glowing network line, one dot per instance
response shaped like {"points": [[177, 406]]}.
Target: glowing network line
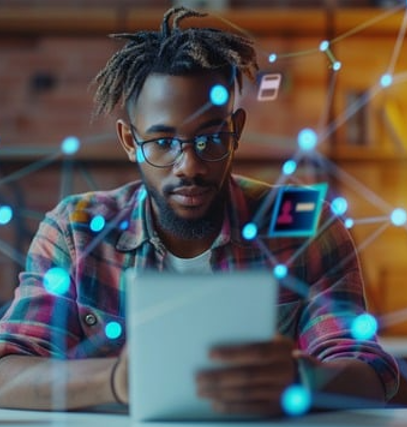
{"points": [[362, 327]]}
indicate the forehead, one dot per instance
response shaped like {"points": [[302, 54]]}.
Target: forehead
{"points": [[179, 101]]}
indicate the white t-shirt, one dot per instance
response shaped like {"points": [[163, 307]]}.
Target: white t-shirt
{"points": [[198, 264]]}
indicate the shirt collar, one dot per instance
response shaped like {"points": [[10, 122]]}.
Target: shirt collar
{"points": [[140, 227]]}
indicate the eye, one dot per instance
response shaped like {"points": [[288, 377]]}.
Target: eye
{"points": [[216, 138], [165, 144]]}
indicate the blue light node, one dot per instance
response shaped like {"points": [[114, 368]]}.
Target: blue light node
{"points": [[6, 214], [296, 400], [113, 330], [140, 156], [124, 225], [272, 57], [249, 231], [324, 46], [289, 167], [56, 281], [339, 206], [97, 223], [337, 65], [364, 327], [70, 145], [398, 217], [219, 95], [349, 223], [280, 271], [307, 139], [386, 80]]}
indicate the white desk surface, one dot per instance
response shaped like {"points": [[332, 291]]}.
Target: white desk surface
{"points": [[362, 418]]}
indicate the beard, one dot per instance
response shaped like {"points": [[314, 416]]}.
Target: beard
{"points": [[189, 229]]}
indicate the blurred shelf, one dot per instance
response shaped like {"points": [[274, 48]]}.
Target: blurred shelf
{"points": [[96, 21]]}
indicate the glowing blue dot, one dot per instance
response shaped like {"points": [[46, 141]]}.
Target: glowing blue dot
{"points": [[140, 156], [124, 225], [113, 330], [364, 327], [349, 223], [6, 214], [70, 145], [280, 271], [219, 95], [56, 281], [337, 65], [307, 139], [296, 400], [97, 223], [272, 57], [398, 217], [339, 206], [249, 231], [324, 46], [289, 167], [386, 80]]}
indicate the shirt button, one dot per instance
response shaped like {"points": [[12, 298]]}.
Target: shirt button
{"points": [[90, 319]]}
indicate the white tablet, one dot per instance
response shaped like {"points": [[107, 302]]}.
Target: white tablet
{"points": [[172, 322]]}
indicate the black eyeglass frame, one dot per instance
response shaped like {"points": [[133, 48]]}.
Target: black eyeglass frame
{"points": [[183, 141]]}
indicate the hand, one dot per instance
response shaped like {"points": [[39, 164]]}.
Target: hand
{"points": [[252, 379], [119, 377]]}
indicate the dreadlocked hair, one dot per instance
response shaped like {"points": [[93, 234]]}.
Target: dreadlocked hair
{"points": [[171, 51]]}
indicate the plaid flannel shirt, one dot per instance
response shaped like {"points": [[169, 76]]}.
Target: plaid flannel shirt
{"points": [[318, 300]]}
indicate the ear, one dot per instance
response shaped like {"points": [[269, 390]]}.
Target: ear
{"points": [[239, 120], [126, 139]]}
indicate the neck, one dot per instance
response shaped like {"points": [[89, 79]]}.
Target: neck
{"points": [[185, 248]]}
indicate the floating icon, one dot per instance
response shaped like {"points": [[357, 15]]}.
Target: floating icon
{"points": [[269, 86], [297, 210]]}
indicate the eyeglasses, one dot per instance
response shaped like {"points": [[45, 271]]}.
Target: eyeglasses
{"points": [[166, 151]]}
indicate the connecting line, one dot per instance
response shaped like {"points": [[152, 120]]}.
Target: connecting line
{"points": [[303, 247], [345, 260], [329, 100], [370, 220], [33, 167], [197, 113], [268, 201], [11, 253], [99, 238], [372, 237], [353, 183], [27, 213], [66, 177], [399, 43], [393, 318], [350, 111], [400, 78], [88, 178], [368, 24]]}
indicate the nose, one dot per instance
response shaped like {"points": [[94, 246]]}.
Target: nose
{"points": [[189, 164]]}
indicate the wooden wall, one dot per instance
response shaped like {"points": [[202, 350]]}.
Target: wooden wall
{"points": [[45, 70]]}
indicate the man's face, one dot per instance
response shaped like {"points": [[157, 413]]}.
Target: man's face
{"points": [[188, 197]]}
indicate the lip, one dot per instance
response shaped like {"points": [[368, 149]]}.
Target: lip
{"points": [[191, 197]]}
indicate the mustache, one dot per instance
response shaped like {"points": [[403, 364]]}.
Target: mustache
{"points": [[193, 182]]}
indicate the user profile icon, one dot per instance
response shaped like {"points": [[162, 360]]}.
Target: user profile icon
{"points": [[297, 210]]}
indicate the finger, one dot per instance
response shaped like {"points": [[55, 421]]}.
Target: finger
{"points": [[280, 348], [284, 373]]}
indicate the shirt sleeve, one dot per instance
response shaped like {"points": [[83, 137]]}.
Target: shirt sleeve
{"points": [[335, 301], [42, 319]]}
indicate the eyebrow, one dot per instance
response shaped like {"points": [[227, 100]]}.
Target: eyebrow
{"points": [[162, 128]]}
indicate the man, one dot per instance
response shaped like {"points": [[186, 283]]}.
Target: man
{"points": [[186, 214]]}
